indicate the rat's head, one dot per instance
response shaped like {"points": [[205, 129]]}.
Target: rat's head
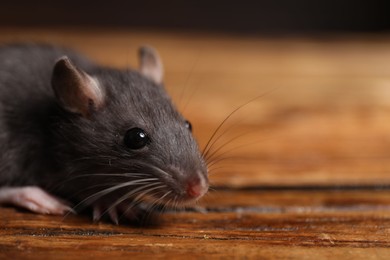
{"points": [[120, 137]]}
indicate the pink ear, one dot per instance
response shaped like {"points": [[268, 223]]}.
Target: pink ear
{"points": [[75, 90], [150, 64]]}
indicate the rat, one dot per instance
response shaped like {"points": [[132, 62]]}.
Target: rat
{"points": [[75, 135]]}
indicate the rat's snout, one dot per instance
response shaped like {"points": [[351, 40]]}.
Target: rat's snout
{"points": [[196, 186]]}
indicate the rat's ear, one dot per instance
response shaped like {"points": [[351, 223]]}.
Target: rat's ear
{"points": [[150, 64], [75, 90]]}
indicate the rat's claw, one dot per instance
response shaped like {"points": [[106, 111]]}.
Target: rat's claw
{"points": [[34, 199], [112, 212], [101, 209], [97, 212], [115, 213]]}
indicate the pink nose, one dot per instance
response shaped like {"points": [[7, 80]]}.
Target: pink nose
{"points": [[195, 188]]}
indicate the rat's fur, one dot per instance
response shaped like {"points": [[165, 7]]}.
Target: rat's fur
{"points": [[74, 156]]}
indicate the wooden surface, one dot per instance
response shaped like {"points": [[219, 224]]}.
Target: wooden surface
{"points": [[306, 175]]}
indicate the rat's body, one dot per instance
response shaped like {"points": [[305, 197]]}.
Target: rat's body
{"points": [[98, 136]]}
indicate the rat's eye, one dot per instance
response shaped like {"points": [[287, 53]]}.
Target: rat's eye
{"points": [[136, 138], [188, 125]]}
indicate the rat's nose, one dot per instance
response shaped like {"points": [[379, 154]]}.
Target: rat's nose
{"points": [[196, 187]]}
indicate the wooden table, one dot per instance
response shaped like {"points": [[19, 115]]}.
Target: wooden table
{"points": [[305, 172]]}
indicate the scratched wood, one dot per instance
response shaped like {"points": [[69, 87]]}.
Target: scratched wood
{"points": [[293, 233], [301, 172]]}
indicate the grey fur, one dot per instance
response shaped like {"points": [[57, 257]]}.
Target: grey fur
{"points": [[43, 144]]}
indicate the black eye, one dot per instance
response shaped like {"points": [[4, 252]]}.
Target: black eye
{"points": [[136, 138], [188, 125]]}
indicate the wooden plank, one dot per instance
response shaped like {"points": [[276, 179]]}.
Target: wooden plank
{"points": [[298, 200], [239, 234], [239, 223]]}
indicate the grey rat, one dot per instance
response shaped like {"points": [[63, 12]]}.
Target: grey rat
{"points": [[110, 139]]}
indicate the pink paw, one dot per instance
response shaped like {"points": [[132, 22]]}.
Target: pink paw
{"points": [[34, 199]]}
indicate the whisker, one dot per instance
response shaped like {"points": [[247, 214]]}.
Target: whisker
{"points": [[161, 171], [213, 169], [126, 174], [221, 158], [166, 205], [211, 189], [140, 196], [206, 148], [194, 90], [223, 133], [227, 143], [175, 202], [137, 200], [188, 79], [128, 195], [166, 194], [111, 189], [134, 192], [91, 187], [234, 149], [155, 203]]}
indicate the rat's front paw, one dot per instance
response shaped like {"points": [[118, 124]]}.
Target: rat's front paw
{"points": [[116, 212], [34, 199]]}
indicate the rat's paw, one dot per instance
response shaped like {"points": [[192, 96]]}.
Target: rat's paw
{"points": [[115, 212], [34, 199]]}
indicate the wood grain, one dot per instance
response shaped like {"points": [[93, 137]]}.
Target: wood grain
{"points": [[239, 233], [304, 173]]}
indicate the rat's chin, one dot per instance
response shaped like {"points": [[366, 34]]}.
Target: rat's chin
{"points": [[188, 200]]}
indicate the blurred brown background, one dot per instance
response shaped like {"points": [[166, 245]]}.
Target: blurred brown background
{"points": [[325, 62]]}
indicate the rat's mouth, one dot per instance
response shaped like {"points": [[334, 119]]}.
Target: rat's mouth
{"points": [[185, 193], [188, 196], [178, 187], [188, 188]]}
